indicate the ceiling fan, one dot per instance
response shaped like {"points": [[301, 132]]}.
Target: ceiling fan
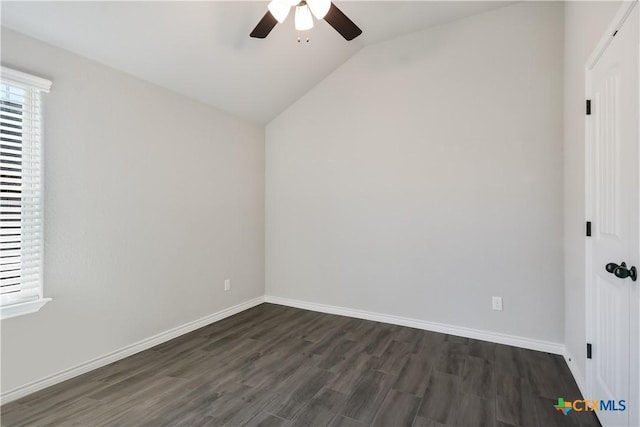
{"points": [[321, 9]]}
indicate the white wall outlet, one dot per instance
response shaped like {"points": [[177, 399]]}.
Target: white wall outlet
{"points": [[227, 284], [496, 303]]}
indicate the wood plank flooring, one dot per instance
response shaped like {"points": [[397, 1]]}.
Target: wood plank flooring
{"points": [[279, 366]]}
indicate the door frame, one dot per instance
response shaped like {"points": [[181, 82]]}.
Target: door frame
{"points": [[626, 9]]}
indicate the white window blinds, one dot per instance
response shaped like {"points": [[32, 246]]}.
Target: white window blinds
{"points": [[21, 197]]}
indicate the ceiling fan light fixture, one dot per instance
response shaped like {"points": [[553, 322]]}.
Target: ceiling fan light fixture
{"points": [[319, 8], [304, 20], [279, 9]]}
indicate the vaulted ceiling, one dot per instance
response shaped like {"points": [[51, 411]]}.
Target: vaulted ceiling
{"points": [[203, 50]]}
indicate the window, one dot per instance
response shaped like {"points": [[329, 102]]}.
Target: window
{"points": [[21, 197]]}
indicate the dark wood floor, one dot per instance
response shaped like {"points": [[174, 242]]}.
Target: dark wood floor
{"points": [[276, 366]]}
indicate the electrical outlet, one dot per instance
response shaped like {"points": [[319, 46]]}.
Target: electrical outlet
{"points": [[227, 284], [496, 303]]}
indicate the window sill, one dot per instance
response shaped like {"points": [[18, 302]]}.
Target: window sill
{"points": [[22, 308]]}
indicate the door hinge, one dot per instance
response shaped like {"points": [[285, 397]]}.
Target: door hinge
{"points": [[588, 351], [588, 228], [588, 107]]}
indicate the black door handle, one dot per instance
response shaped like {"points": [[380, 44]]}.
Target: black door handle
{"points": [[611, 267], [621, 271]]}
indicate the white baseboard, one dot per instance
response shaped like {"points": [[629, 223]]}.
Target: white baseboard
{"points": [[513, 340], [127, 351], [577, 375]]}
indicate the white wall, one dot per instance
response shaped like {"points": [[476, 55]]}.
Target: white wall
{"points": [[425, 176], [585, 22], [152, 200]]}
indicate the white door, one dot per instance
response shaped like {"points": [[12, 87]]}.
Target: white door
{"points": [[613, 199]]}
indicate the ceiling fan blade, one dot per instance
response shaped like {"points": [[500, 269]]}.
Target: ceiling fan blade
{"points": [[342, 23], [264, 27]]}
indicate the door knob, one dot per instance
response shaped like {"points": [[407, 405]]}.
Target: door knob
{"points": [[611, 267], [621, 271]]}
